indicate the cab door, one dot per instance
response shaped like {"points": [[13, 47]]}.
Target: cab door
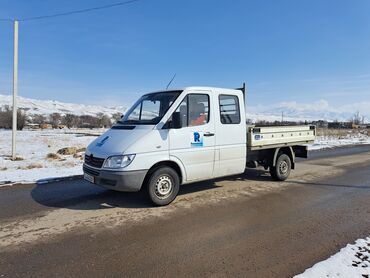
{"points": [[194, 143], [231, 147]]}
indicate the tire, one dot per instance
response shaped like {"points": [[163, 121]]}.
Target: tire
{"points": [[273, 173], [282, 169], [163, 186]]}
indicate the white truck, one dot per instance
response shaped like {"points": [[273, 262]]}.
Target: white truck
{"points": [[174, 137]]}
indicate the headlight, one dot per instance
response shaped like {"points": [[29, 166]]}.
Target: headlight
{"points": [[118, 161]]}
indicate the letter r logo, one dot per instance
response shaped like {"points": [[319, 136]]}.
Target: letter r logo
{"points": [[196, 139]]}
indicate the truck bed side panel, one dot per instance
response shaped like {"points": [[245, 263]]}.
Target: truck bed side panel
{"points": [[279, 136]]}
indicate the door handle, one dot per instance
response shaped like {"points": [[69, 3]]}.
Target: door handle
{"points": [[209, 134]]}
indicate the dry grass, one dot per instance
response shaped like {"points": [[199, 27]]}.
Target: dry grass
{"points": [[80, 150], [34, 166], [77, 155], [18, 158], [67, 151], [3, 169], [31, 166], [52, 156], [341, 133]]}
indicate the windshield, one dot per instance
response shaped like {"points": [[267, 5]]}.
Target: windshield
{"points": [[150, 108]]}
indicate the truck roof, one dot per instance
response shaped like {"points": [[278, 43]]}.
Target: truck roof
{"points": [[198, 88]]}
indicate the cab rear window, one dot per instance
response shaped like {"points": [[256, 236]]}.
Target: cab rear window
{"points": [[229, 109]]}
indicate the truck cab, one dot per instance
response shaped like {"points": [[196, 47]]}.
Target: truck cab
{"points": [[172, 137]]}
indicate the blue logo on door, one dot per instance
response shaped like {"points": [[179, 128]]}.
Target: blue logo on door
{"points": [[196, 139]]}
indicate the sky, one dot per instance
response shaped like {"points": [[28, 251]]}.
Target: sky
{"points": [[297, 51]]}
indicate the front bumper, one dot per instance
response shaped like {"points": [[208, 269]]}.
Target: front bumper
{"points": [[127, 181]]}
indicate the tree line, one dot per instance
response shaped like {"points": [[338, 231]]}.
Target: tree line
{"points": [[355, 120], [56, 120], [101, 120]]}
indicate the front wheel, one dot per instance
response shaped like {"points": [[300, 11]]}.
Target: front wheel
{"points": [[281, 170], [163, 186]]}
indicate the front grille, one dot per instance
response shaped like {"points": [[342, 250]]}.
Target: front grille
{"points": [[94, 161], [90, 171]]}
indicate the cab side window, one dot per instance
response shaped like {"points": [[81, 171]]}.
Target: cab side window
{"points": [[194, 110], [229, 109]]}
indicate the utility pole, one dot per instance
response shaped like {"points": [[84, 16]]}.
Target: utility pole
{"points": [[282, 116], [15, 89]]}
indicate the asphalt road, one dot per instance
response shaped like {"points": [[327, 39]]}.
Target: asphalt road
{"points": [[243, 226]]}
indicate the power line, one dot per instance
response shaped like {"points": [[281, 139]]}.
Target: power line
{"points": [[80, 11], [73, 12]]}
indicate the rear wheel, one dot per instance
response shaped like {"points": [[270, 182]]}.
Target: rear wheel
{"points": [[281, 170], [163, 186]]}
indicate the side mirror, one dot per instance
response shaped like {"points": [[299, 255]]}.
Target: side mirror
{"points": [[175, 121]]}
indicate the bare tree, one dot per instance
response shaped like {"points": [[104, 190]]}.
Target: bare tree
{"points": [[104, 120], [117, 116], [39, 119], [55, 119], [356, 119], [6, 118], [249, 121], [21, 119], [89, 121], [70, 120]]}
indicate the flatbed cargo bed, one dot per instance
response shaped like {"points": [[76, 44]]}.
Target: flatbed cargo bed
{"points": [[259, 138]]}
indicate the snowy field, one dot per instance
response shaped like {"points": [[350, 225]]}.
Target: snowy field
{"points": [[351, 261], [37, 154], [39, 161], [342, 138]]}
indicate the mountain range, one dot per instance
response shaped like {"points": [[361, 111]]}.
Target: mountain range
{"points": [[47, 107], [317, 110], [290, 111]]}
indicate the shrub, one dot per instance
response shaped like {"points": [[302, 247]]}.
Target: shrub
{"points": [[52, 156], [67, 151]]}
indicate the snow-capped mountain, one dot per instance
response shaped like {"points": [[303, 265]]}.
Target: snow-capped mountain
{"points": [[318, 110], [293, 111], [47, 107]]}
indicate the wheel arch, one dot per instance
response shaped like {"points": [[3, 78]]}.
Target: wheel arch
{"points": [[164, 163], [284, 150]]}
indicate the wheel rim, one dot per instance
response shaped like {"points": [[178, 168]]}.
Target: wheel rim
{"points": [[163, 186], [283, 167]]}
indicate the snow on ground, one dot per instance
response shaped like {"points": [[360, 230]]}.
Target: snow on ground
{"points": [[351, 261], [33, 146], [326, 142]]}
